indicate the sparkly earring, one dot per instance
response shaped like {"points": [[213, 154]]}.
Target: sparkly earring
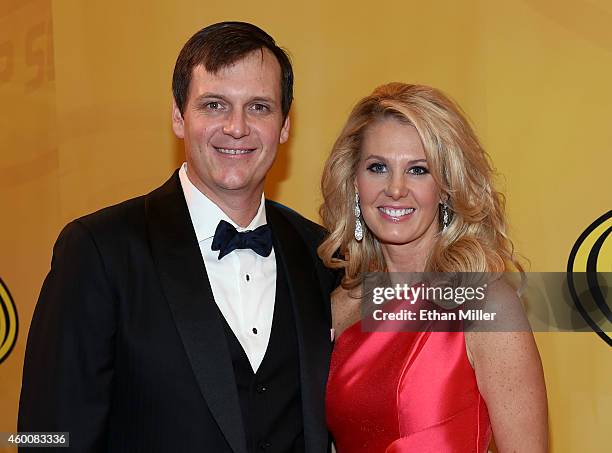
{"points": [[358, 225], [445, 216]]}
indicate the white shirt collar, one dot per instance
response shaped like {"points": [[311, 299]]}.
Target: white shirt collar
{"points": [[206, 215]]}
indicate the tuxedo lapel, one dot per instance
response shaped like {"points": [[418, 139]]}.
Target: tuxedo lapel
{"points": [[312, 324], [187, 289]]}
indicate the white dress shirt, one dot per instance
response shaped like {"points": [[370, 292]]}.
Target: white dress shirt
{"points": [[243, 283]]}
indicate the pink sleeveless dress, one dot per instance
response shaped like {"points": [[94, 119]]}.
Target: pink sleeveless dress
{"points": [[400, 392]]}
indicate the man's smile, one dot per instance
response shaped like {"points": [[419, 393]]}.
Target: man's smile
{"points": [[234, 151]]}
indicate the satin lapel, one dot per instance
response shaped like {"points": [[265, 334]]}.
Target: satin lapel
{"points": [[312, 325], [185, 283]]}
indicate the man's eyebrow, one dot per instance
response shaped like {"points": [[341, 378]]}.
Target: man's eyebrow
{"points": [[263, 99], [209, 95]]}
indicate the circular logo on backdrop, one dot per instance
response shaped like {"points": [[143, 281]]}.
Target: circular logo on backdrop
{"points": [[588, 260], [8, 322]]}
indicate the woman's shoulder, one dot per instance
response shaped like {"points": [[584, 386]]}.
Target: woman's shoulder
{"points": [[346, 308]]}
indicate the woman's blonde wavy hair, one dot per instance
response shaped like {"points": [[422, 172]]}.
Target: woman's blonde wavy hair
{"points": [[476, 239]]}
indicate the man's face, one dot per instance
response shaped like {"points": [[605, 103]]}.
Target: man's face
{"points": [[232, 125]]}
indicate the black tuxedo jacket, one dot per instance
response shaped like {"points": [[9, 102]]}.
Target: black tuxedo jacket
{"points": [[126, 350]]}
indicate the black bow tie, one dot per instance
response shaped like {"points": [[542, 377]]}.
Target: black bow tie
{"points": [[227, 239]]}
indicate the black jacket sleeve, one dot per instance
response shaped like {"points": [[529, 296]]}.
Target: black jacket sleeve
{"points": [[68, 368]]}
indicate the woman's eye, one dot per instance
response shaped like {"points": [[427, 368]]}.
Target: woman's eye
{"points": [[377, 168], [418, 170]]}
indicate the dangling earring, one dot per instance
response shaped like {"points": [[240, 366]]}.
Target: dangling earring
{"points": [[446, 219], [358, 225]]}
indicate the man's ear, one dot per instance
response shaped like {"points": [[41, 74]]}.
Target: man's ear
{"points": [[178, 125], [284, 135]]}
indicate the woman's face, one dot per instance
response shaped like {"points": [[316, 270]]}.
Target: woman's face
{"points": [[399, 197]]}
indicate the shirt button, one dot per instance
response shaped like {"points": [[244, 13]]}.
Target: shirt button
{"points": [[264, 445], [261, 389], [248, 278], [255, 330]]}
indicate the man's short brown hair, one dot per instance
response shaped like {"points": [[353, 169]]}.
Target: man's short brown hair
{"points": [[220, 45]]}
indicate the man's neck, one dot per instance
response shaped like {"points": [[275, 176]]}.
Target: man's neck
{"points": [[242, 209], [240, 206]]}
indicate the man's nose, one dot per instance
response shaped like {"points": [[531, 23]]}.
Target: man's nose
{"points": [[236, 124], [397, 186]]}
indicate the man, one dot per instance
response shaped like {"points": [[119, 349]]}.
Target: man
{"points": [[194, 318]]}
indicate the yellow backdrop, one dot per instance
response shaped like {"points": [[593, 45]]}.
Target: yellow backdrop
{"points": [[85, 122]]}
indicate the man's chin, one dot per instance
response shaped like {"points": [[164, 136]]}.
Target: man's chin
{"points": [[243, 185]]}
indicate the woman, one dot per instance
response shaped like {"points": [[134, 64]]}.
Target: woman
{"points": [[408, 188]]}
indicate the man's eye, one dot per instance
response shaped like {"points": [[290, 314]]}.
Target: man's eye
{"points": [[377, 167], [214, 105], [262, 108], [418, 170]]}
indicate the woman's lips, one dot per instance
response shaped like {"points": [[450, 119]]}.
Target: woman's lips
{"points": [[395, 214]]}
